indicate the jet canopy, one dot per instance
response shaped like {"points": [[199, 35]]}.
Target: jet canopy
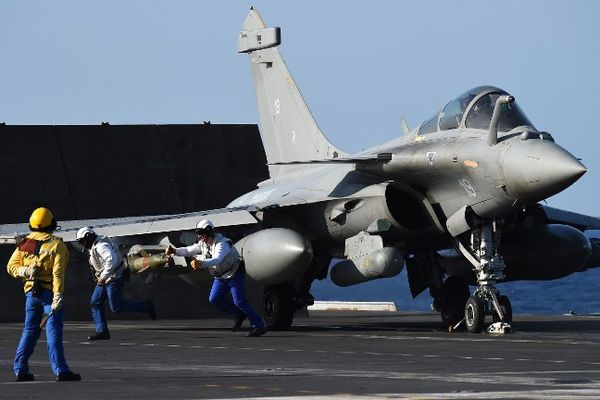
{"points": [[473, 109]]}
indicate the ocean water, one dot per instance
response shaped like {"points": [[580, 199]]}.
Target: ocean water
{"points": [[578, 293]]}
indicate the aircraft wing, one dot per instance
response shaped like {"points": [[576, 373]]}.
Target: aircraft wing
{"points": [[579, 221], [132, 226], [378, 158]]}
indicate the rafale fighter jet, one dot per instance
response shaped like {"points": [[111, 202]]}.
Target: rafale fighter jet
{"points": [[455, 200]]}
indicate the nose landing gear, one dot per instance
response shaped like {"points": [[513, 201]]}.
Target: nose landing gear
{"points": [[488, 264]]}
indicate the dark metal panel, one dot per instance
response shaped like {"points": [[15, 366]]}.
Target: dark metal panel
{"points": [[100, 171]]}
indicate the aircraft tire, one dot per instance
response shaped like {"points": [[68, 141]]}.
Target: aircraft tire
{"points": [[474, 314], [506, 308], [278, 307], [456, 291]]}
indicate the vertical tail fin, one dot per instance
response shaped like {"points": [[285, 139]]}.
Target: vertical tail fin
{"points": [[289, 131]]}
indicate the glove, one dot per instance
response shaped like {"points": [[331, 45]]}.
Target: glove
{"points": [[27, 272], [57, 301], [196, 264], [169, 250]]}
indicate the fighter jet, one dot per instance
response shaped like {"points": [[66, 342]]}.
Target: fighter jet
{"points": [[456, 200]]}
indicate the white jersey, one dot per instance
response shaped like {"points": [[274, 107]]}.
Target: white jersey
{"points": [[220, 257], [106, 260]]}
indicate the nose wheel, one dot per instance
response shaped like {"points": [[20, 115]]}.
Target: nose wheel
{"points": [[474, 314], [485, 301]]}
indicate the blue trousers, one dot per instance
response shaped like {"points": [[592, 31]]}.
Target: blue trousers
{"points": [[34, 310], [236, 285], [112, 291]]}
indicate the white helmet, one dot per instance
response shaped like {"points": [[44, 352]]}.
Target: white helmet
{"points": [[85, 232], [204, 226]]}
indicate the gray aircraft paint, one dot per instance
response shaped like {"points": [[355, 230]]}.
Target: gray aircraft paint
{"points": [[288, 128]]}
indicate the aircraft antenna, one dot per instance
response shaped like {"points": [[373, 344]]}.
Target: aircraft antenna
{"points": [[405, 127]]}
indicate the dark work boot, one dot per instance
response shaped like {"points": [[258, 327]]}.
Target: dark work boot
{"points": [[24, 377], [99, 336], [256, 332], [237, 323], [68, 376], [151, 310]]}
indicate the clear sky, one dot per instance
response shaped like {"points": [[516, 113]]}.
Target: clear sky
{"points": [[361, 66]]}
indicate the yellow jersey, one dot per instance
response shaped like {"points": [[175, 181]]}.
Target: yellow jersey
{"points": [[50, 256]]}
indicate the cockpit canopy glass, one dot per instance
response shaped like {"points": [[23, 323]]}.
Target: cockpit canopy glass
{"points": [[452, 114], [480, 114], [430, 125]]}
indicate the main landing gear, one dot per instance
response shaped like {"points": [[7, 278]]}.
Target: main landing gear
{"points": [[482, 251], [279, 306], [281, 302]]}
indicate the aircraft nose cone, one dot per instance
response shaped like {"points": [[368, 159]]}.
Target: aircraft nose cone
{"points": [[537, 169]]}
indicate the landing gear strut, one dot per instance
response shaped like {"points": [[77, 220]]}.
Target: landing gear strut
{"points": [[482, 252]]}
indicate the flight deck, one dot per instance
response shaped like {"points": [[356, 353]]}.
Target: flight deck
{"points": [[329, 354]]}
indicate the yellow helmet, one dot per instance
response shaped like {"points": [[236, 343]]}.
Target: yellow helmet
{"points": [[42, 220]]}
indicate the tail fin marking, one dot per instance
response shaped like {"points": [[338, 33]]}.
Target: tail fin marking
{"points": [[289, 131]]}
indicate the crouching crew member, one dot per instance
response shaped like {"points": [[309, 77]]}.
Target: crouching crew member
{"points": [[109, 269], [215, 252], [40, 260]]}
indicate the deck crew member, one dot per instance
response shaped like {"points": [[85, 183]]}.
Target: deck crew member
{"points": [[215, 252], [41, 259], [109, 271]]}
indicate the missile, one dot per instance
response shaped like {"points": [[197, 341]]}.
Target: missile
{"points": [[144, 261]]}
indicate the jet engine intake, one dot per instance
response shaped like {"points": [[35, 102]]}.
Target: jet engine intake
{"points": [[408, 213], [276, 255]]}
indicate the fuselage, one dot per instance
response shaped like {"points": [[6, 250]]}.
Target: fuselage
{"points": [[433, 173]]}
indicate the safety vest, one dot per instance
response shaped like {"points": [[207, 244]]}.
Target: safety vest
{"points": [[48, 254], [230, 264], [97, 262]]}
